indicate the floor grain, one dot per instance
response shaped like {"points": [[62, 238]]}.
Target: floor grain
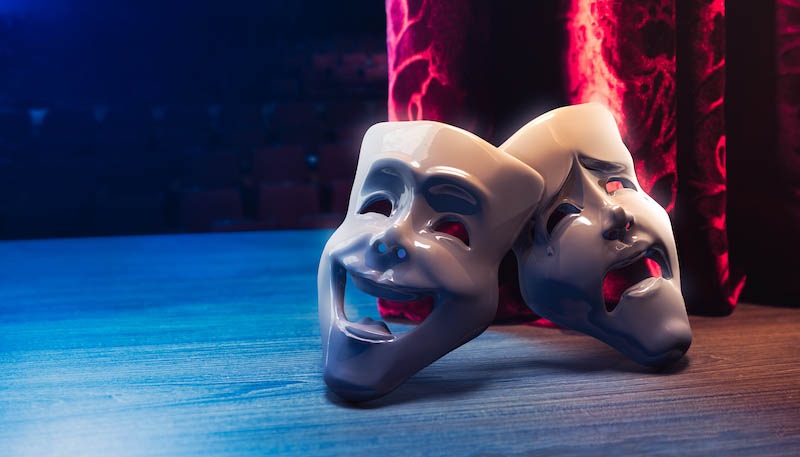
{"points": [[209, 345]]}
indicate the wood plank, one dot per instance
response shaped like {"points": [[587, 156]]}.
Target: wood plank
{"points": [[209, 345]]}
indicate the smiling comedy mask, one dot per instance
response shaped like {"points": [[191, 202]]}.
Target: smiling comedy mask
{"points": [[432, 212], [599, 255]]}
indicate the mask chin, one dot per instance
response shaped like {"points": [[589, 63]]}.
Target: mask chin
{"points": [[649, 324], [364, 360]]}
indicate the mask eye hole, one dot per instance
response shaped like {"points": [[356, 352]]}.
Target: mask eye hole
{"points": [[563, 210], [615, 184], [453, 228], [380, 206]]}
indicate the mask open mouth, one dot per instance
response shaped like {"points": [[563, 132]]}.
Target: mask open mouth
{"points": [[632, 275], [373, 330]]}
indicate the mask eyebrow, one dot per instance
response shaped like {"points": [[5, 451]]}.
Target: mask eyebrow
{"points": [[447, 193], [386, 174], [390, 166], [600, 165]]}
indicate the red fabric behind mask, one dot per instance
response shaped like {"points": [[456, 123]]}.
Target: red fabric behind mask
{"points": [[623, 55], [511, 307], [619, 53], [786, 270]]}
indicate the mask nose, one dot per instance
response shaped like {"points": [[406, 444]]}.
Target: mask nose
{"points": [[386, 251], [620, 222]]}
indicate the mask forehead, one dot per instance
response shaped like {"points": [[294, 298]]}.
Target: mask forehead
{"points": [[584, 135], [437, 155], [590, 130]]}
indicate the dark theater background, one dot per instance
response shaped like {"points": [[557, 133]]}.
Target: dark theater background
{"points": [[162, 117], [171, 170], [151, 117]]}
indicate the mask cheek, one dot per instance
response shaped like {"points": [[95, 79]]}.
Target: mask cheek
{"points": [[646, 210], [580, 255], [653, 225], [455, 270], [562, 277]]}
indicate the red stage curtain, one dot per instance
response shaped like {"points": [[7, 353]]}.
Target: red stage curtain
{"points": [[666, 86], [709, 282], [763, 94], [788, 96], [430, 44], [786, 215], [660, 70]]}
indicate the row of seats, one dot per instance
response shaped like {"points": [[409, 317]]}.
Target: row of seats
{"points": [[112, 124], [196, 167], [351, 67], [285, 159], [328, 60], [285, 205], [329, 163], [225, 168]]}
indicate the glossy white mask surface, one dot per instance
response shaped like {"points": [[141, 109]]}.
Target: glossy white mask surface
{"points": [[411, 177], [594, 218]]}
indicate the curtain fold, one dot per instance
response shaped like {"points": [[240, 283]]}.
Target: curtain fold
{"points": [[661, 71], [787, 214], [430, 45], [709, 282]]}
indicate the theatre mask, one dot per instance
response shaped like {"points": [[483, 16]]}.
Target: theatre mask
{"points": [[432, 212], [599, 254]]}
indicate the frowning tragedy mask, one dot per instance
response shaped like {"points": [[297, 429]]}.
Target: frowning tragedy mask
{"points": [[599, 255], [432, 212]]}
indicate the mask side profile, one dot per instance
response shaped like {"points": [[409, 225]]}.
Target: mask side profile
{"points": [[432, 212], [599, 255]]}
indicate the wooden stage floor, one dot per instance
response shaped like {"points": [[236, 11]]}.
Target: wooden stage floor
{"points": [[209, 345]]}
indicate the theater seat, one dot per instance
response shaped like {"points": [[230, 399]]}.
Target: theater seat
{"points": [[376, 74], [324, 61], [357, 59], [293, 114], [287, 204], [200, 211], [378, 69], [211, 169], [340, 195], [379, 59], [129, 214], [280, 163], [337, 162], [348, 73]]}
